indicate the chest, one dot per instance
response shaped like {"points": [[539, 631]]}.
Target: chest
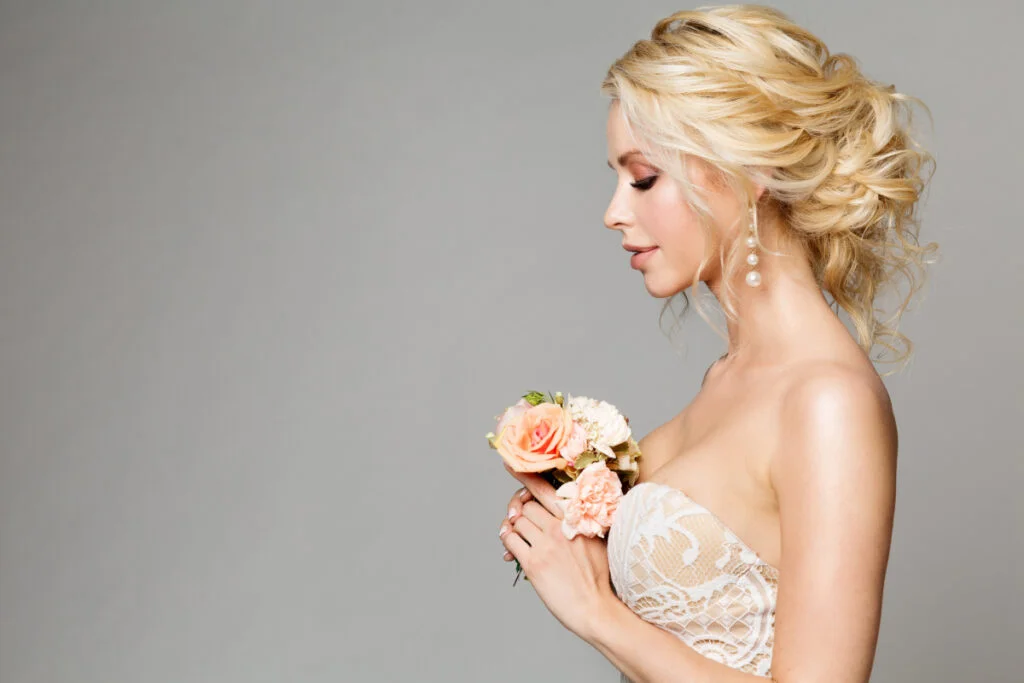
{"points": [[718, 450], [715, 440]]}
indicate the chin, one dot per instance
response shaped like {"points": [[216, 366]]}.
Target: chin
{"points": [[664, 294], [662, 288]]}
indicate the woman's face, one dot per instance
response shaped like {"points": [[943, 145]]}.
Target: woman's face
{"points": [[650, 210]]}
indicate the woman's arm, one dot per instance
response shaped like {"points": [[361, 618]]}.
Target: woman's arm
{"points": [[835, 481]]}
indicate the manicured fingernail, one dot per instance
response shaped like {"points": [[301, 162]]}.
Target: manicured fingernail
{"points": [[504, 530], [511, 513], [524, 494]]}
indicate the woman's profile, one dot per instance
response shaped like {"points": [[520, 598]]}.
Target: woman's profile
{"points": [[755, 543]]}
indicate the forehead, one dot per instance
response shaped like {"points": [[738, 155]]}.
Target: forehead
{"points": [[622, 146], [619, 137]]}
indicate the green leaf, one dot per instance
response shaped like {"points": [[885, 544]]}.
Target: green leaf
{"points": [[534, 398], [519, 570], [561, 477], [587, 458]]}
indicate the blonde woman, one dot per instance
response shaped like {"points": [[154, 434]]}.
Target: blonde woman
{"points": [[756, 541]]}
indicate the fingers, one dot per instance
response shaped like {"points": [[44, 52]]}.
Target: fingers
{"points": [[521, 496], [541, 491], [536, 514], [516, 546], [515, 510], [528, 529], [515, 505], [539, 516], [506, 526]]}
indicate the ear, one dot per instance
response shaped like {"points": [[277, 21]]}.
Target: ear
{"points": [[759, 174]]}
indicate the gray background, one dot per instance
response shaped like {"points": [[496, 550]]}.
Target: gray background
{"points": [[269, 270]]}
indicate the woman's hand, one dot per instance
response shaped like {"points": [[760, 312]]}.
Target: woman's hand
{"points": [[571, 577], [515, 509]]}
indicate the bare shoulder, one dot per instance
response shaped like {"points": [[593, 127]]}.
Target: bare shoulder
{"points": [[834, 391], [834, 412]]}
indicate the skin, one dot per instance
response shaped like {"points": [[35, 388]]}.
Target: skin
{"points": [[791, 441]]}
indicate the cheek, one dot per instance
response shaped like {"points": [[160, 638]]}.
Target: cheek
{"points": [[673, 226]]}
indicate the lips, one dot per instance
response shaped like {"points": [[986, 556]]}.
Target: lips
{"points": [[640, 257]]}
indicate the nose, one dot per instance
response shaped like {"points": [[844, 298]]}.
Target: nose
{"points": [[617, 216]]}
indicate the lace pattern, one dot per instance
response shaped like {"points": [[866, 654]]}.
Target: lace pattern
{"points": [[676, 565]]}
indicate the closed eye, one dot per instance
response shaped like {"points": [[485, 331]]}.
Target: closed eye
{"points": [[644, 183]]}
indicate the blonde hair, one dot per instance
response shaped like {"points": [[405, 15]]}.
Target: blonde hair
{"points": [[743, 88]]}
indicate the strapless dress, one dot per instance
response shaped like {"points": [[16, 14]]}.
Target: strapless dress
{"points": [[678, 566]]}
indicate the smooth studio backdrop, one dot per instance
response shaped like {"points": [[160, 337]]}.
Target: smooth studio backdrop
{"points": [[269, 270]]}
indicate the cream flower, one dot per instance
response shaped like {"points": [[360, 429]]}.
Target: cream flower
{"points": [[604, 424]]}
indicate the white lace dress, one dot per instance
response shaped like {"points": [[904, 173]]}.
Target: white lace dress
{"points": [[676, 565]]}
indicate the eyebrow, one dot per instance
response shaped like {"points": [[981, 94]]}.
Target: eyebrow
{"points": [[624, 157]]}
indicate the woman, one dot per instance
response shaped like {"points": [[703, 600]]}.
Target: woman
{"points": [[756, 540]]}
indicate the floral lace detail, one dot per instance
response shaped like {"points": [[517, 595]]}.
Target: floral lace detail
{"points": [[676, 565]]}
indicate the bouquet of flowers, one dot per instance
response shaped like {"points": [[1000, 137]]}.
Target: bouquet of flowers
{"points": [[583, 447]]}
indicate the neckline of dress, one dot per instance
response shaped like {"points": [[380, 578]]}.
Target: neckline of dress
{"points": [[743, 544]]}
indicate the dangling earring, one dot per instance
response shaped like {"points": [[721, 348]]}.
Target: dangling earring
{"points": [[753, 277]]}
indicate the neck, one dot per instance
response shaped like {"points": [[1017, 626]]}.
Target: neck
{"points": [[783, 311]]}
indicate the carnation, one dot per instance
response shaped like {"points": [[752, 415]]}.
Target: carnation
{"points": [[589, 503]]}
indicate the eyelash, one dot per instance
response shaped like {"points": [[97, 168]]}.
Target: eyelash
{"points": [[645, 183]]}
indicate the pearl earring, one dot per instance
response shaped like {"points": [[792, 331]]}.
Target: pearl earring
{"points": [[753, 277]]}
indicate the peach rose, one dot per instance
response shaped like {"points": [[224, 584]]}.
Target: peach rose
{"points": [[530, 438], [590, 502], [513, 413]]}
